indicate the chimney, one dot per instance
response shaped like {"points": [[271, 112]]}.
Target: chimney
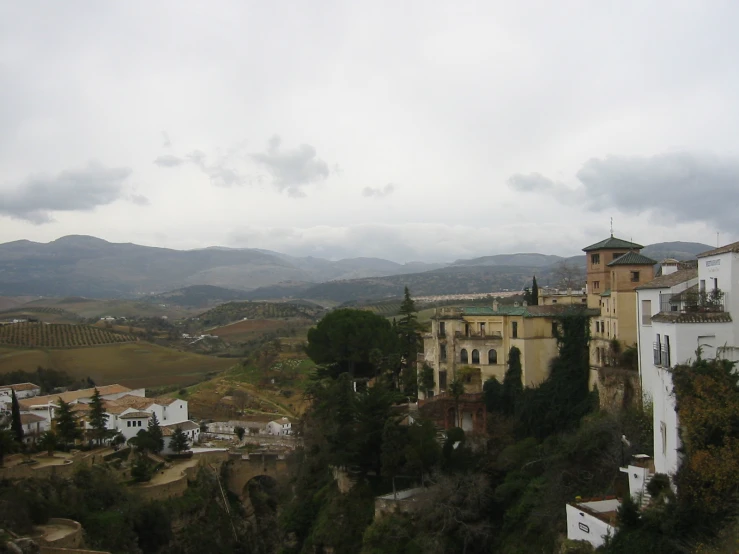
{"points": [[525, 303], [495, 305], [669, 266], [515, 304]]}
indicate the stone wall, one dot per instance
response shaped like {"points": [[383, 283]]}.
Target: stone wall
{"points": [[618, 388], [72, 540], [163, 491]]}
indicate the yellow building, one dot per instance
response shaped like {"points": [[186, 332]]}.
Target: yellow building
{"points": [[614, 269], [474, 342], [568, 297]]}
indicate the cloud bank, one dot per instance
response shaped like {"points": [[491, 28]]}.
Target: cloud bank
{"points": [[378, 192], [39, 196]]}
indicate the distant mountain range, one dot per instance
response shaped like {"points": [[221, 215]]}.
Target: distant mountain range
{"points": [[92, 267]]}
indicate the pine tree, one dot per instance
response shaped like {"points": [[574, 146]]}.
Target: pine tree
{"points": [[98, 417], [409, 330], [16, 423], [179, 442], [155, 433], [534, 293], [67, 427]]}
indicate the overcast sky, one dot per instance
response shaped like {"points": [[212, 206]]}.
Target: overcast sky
{"points": [[405, 130]]}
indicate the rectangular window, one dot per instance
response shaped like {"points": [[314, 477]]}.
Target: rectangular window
{"points": [[442, 352], [597, 326], [703, 285], [442, 380], [663, 432], [646, 312], [634, 276], [596, 285], [554, 328], [554, 301], [514, 330], [595, 259], [128, 424], [442, 328], [482, 329], [466, 329]]}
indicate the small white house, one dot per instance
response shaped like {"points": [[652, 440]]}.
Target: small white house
{"points": [[190, 428], [592, 521], [131, 423], [32, 427], [280, 427], [22, 390]]}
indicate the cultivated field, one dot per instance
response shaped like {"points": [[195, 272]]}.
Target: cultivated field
{"points": [[58, 335], [242, 331], [137, 364], [90, 307]]}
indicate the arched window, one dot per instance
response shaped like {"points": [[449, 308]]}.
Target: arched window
{"points": [[463, 356], [475, 356], [493, 356]]}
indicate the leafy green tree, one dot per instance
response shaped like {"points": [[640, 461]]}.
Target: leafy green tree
{"points": [[423, 451], [117, 440], [410, 381], [394, 441], [8, 445], [179, 442], [98, 418], [156, 435], [512, 382], [48, 442], [427, 378], [240, 432], [16, 424], [372, 410], [141, 470], [344, 339], [67, 426], [492, 391]]}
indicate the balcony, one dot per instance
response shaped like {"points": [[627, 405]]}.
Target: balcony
{"points": [[694, 301], [494, 335]]}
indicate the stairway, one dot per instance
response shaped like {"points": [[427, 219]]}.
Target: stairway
{"points": [[645, 497]]}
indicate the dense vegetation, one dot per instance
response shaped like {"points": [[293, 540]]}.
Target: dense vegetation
{"points": [[234, 311], [48, 380], [59, 335]]}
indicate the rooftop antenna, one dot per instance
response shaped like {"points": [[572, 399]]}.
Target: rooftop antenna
{"points": [[611, 227], [717, 243]]}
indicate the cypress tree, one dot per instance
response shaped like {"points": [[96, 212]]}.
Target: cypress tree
{"points": [[98, 417], [534, 293], [67, 427], [512, 382], [16, 424], [155, 433]]}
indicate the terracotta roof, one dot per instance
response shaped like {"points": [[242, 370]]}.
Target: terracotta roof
{"points": [[20, 386], [612, 242], [71, 396], [553, 310], [733, 247], [138, 402], [168, 430], [81, 407], [31, 418], [670, 280], [692, 317], [136, 415], [632, 258]]}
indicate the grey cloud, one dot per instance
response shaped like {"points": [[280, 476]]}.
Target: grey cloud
{"points": [[530, 182], [85, 189], [677, 187], [219, 173], [292, 168], [682, 186], [378, 192], [139, 199], [168, 160]]}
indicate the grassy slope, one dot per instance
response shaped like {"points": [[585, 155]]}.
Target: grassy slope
{"points": [[132, 364]]}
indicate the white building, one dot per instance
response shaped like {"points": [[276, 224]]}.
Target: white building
{"points": [[679, 313], [281, 426], [592, 521], [32, 427], [190, 428], [131, 423], [22, 390]]}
